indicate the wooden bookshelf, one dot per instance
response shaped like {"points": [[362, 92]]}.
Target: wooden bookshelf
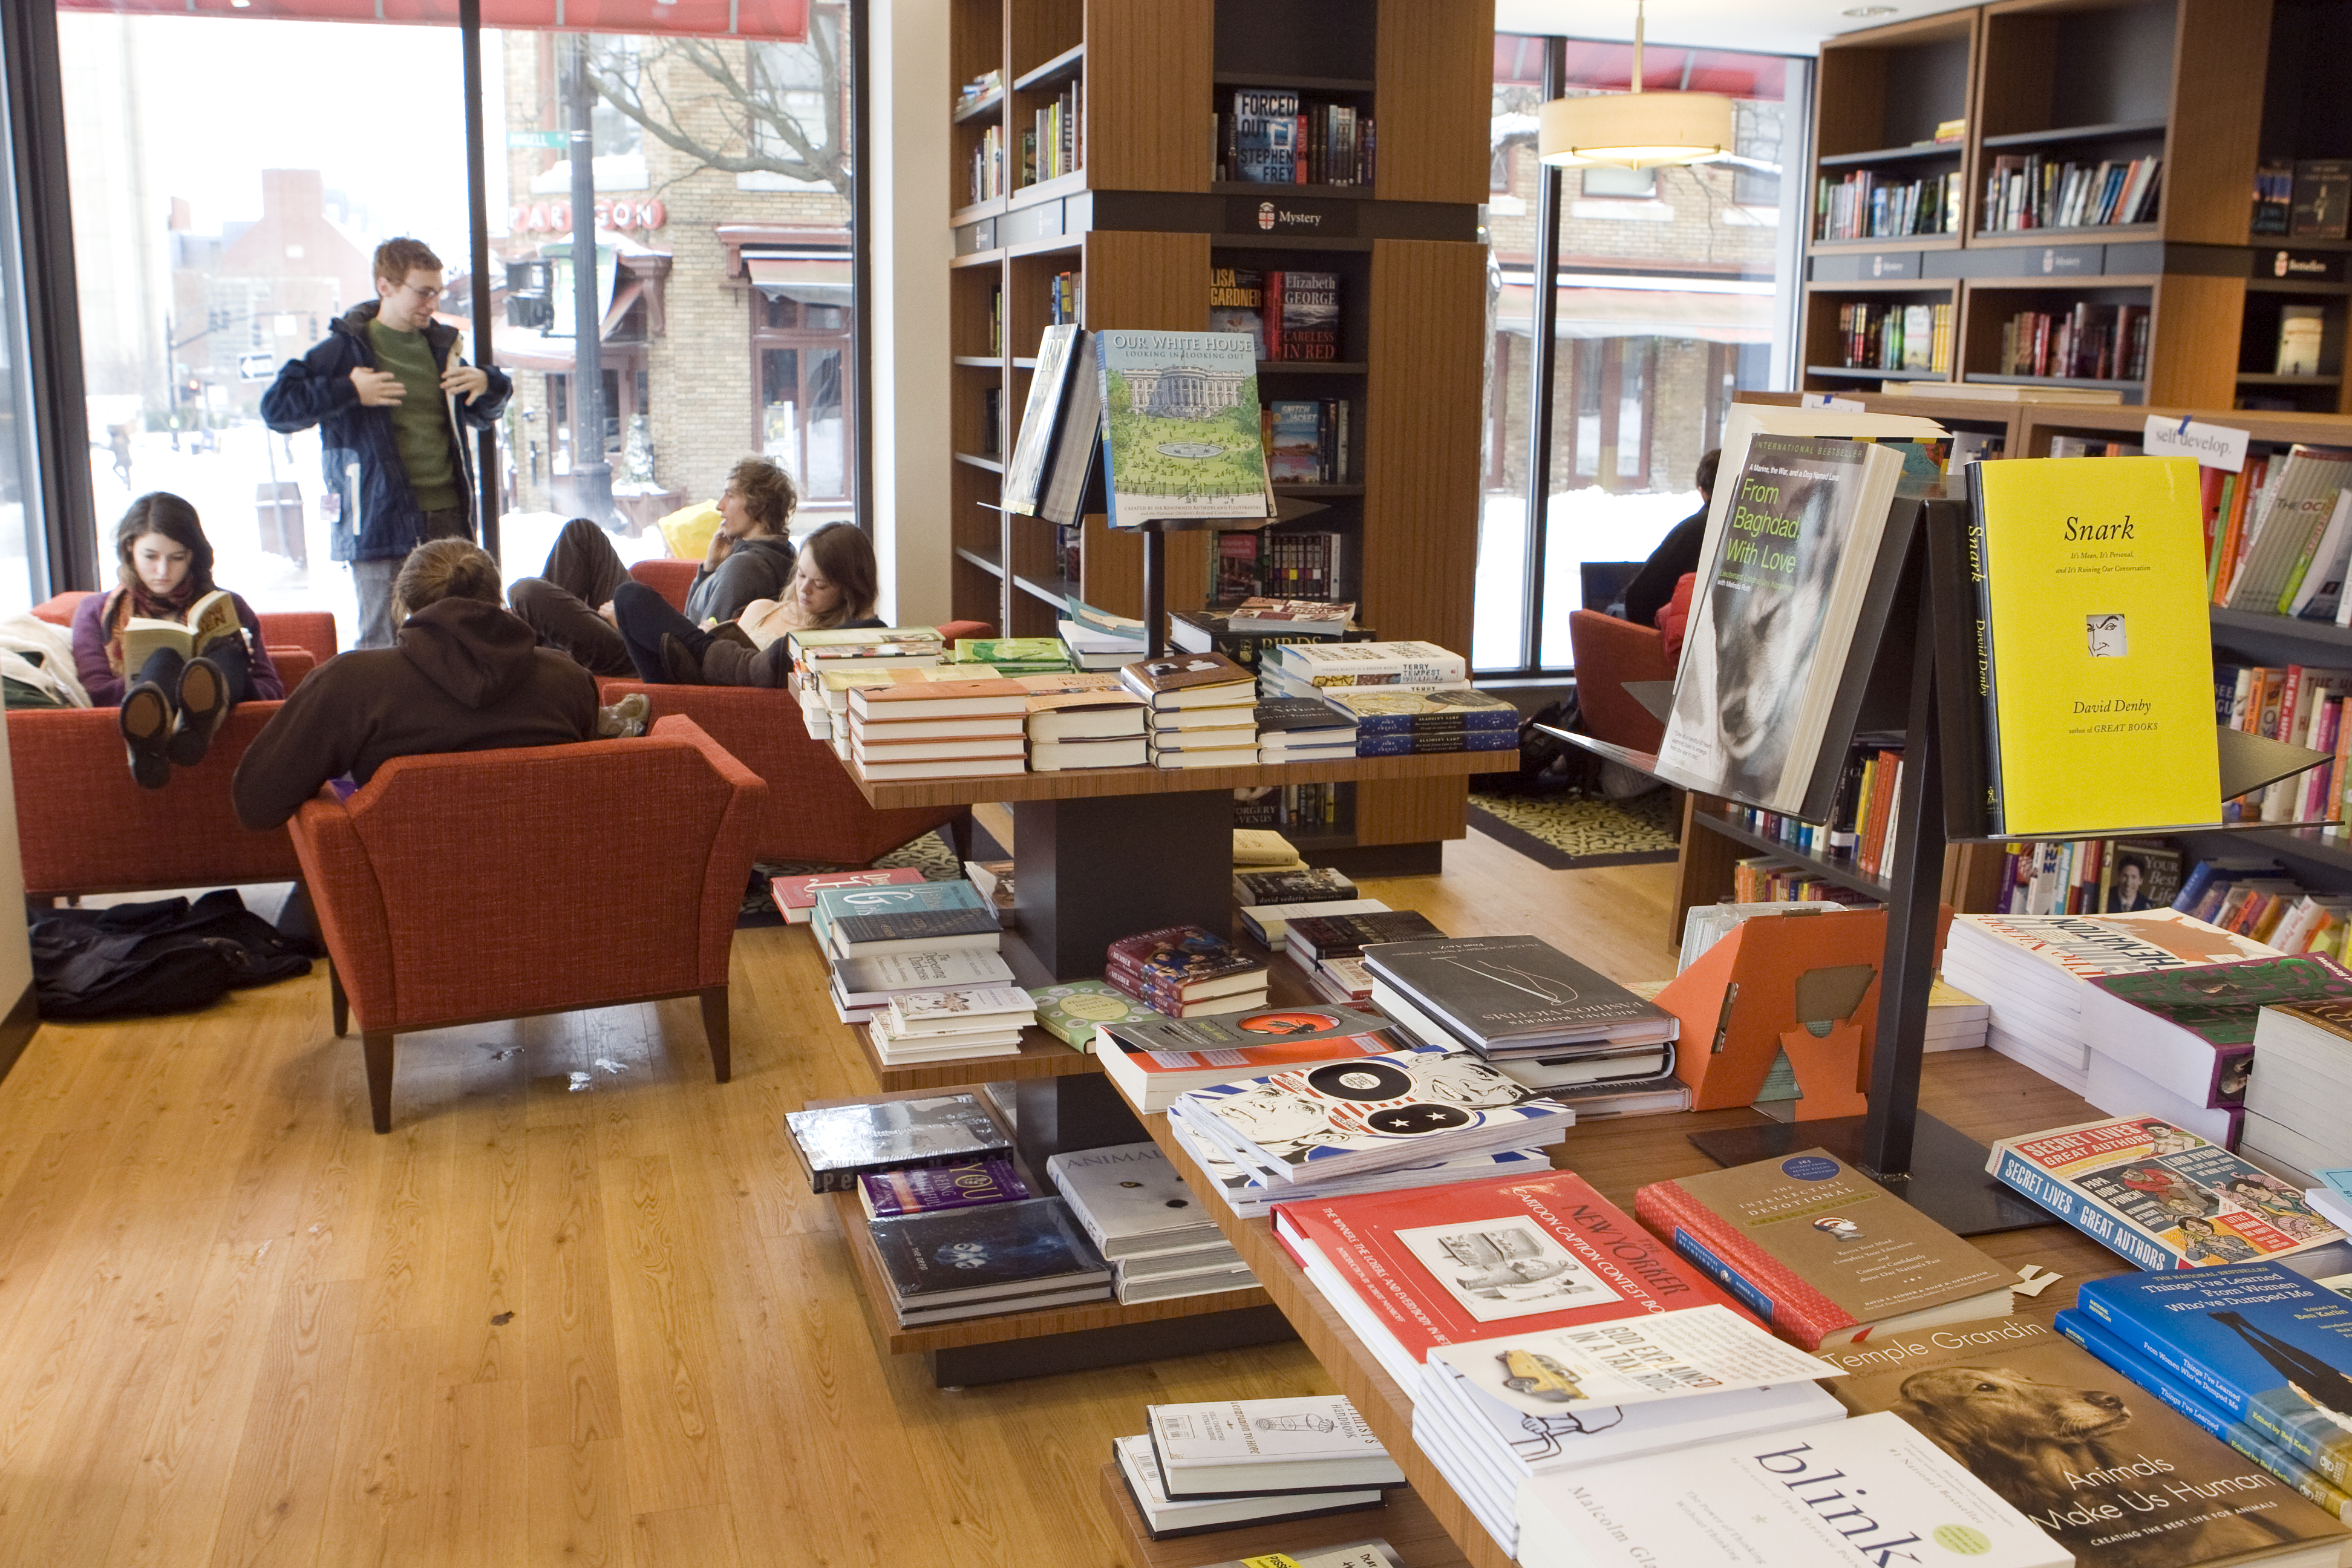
{"points": [[1403, 1521], [1984, 1095], [1142, 221]]}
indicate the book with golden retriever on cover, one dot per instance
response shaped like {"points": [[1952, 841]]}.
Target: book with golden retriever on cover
{"points": [[2118, 1478]]}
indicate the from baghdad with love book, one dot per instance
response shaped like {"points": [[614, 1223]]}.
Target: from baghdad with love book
{"points": [[2100, 717], [2103, 1466], [1785, 625], [1180, 421]]}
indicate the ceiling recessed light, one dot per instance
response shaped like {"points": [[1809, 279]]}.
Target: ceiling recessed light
{"points": [[1870, 11]]}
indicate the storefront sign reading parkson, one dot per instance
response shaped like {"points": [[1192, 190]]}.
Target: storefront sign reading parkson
{"points": [[555, 217]]}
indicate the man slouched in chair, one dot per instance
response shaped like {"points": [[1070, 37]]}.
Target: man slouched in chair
{"points": [[463, 676]]}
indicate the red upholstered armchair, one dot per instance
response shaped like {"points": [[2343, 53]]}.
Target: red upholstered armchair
{"points": [[1607, 653], [310, 630], [470, 886]]}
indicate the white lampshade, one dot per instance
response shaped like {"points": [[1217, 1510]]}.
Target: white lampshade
{"points": [[1634, 129]]}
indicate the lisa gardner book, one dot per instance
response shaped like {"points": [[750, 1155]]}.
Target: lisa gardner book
{"points": [[2098, 706]]}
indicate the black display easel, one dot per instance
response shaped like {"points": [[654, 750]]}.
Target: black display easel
{"points": [[1927, 1163]]}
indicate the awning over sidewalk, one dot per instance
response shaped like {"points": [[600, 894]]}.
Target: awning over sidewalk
{"points": [[1709, 317], [811, 280]]}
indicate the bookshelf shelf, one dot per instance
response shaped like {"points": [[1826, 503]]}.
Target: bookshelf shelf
{"points": [[1986, 378], [991, 464], [986, 562], [1286, 79], [2253, 623], [991, 207], [1103, 781], [1267, 367], [1863, 373], [1886, 242], [2081, 234], [1054, 591], [1320, 193], [1894, 155], [1836, 870], [985, 108], [979, 362], [1051, 190], [1049, 245], [1318, 492], [1042, 1056], [2263, 378], [1066, 64], [2112, 131], [978, 258]]}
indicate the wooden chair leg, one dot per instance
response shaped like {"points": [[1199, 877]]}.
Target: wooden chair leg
{"points": [[342, 1003], [716, 1030], [377, 1044]]}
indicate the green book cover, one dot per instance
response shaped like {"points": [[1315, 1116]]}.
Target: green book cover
{"points": [[1071, 1013], [1036, 653], [1181, 412]]}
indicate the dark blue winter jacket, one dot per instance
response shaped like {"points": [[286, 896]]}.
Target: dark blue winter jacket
{"points": [[379, 518]]}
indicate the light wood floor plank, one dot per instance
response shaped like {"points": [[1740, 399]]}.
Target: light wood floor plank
{"points": [[276, 1498], [567, 1302], [661, 1282], [482, 1481], [579, 1507]]}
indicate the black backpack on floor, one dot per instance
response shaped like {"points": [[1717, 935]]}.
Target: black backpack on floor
{"points": [[168, 956]]}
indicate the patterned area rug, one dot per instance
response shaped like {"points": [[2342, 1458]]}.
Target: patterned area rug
{"points": [[931, 855], [1575, 832]]}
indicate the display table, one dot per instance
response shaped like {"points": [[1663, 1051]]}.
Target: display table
{"points": [[1106, 853], [1988, 1095], [1403, 1521]]}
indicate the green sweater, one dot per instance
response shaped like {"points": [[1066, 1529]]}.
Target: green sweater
{"points": [[420, 425]]}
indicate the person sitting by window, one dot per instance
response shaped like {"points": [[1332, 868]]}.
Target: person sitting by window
{"points": [[170, 707], [835, 584], [463, 675], [1678, 553], [585, 602]]}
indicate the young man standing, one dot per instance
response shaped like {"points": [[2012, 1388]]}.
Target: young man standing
{"points": [[393, 401]]}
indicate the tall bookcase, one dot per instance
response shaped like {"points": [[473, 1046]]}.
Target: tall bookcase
{"points": [[1140, 224], [2086, 80]]}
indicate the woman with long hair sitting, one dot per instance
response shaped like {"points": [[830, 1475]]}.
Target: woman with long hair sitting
{"points": [[834, 584], [171, 706]]}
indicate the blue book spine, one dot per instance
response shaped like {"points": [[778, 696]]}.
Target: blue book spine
{"points": [[2015, 1171], [2199, 878], [2086, 1333]]}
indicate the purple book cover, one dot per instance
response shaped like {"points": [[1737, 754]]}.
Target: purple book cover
{"points": [[928, 1189], [2218, 1004]]}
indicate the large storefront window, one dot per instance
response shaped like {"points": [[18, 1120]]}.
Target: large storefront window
{"points": [[20, 566], [219, 230], [1664, 300]]}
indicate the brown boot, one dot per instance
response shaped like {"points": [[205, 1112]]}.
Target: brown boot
{"points": [[679, 664], [726, 663]]}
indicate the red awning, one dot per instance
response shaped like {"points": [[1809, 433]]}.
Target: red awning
{"points": [[785, 21]]}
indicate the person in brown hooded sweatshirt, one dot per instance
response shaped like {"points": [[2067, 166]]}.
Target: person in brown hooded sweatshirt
{"points": [[463, 676]]}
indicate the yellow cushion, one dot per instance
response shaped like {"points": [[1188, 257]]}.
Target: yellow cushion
{"points": [[687, 530]]}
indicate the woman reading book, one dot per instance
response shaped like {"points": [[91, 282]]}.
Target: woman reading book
{"points": [[586, 603], [834, 584], [170, 652]]}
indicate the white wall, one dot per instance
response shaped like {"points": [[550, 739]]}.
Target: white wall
{"points": [[907, 315], [15, 954]]}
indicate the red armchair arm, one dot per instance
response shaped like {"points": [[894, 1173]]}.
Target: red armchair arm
{"points": [[349, 904], [310, 629], [1607, 653], [732, 847], [671, 579]]}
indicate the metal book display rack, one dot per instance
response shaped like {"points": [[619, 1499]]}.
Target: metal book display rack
{"points": [[1917, 1157]]}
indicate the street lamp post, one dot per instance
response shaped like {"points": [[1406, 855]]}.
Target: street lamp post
{"points": [[591, 476]]}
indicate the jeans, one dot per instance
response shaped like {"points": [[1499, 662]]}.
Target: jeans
{"points": [[164, 665], [583, 571]]}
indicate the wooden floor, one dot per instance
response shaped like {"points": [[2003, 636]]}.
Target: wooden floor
{"points": [[575, 1308]]}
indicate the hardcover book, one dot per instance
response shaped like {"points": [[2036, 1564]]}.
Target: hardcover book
{"points": [[1166, 1519], [966, 1183], [2266, 1346], [1072, 1010], [1344, 664], [1785, 625], [994, 1251], [1507, 993], [1237, 304], [838, 1144], [1294, 443], [1181, 426], [1040, 420], [1306, 320], [2001, 1394], [1177, 965], [1824, 1254], [1154, 1060], [1307, 721], [1130, 1199], [870, 982], [1378, 712], [1313, 937], [2101, 647], [1265, 1445], [2158, 1195], [2193, 1030], [1316, 884], [1787, 1499], [795, 896], [1266, 136], [1208, 679]]}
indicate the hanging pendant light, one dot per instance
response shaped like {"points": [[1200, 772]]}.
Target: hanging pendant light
{"points": [[1635, 130]]}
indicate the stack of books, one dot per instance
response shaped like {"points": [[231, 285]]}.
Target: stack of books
{"points": [[826, 665], [1011, 655], [1254, 1461], [824, 695], [1544, 1019], [1153, 1060], [2180, 1043], [795, 896], [1412, 1106], [1204, 710], [993, 880], [1804, 1239], [958, 729], [1300, 885], [1185, 972], [1085, 719], [1303, 730], [995, 1258], [1328, 949], [1097, 639], [2294, 1101], [1410, 723], [1141, 1217], [863, 987], [1260, 617], [1269, 925], [928, 1189], [1320, 669], [2029, 969], [2161, 1197], [951, 1023], [1253, 1195], [836, 1145]]}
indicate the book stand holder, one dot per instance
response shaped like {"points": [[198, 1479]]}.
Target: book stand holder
{"points": [[1930, 1164]]}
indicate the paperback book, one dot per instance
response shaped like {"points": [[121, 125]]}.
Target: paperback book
{"points": [[795, 896], [1179, 969], [926, 1189], [1072, 1010], [1266, 1447], [1154, 1060], [2193, 1030], [2158, 1195], [1514, 994], [1167, 1518]]}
